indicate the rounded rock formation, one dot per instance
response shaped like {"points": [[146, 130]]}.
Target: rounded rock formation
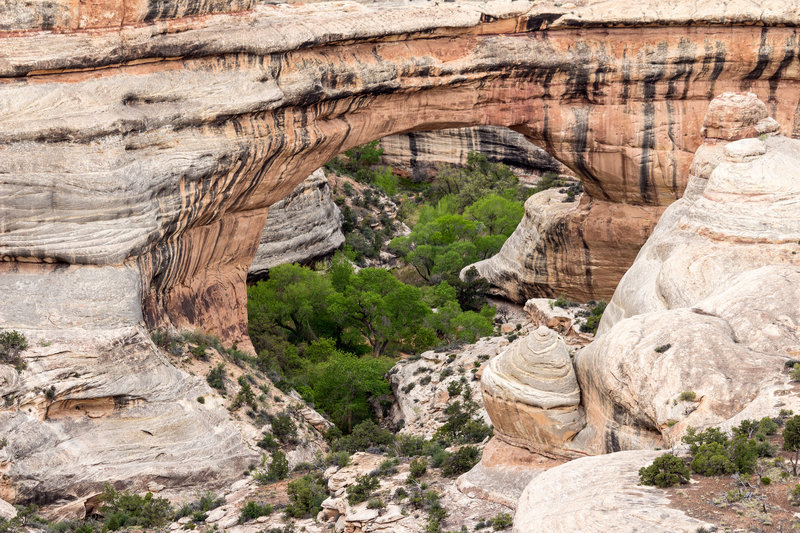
{"points": [[531, 394]]}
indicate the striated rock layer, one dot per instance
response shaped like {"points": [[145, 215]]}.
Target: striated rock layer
{"points": [[160, 145], [304, 226], [141, 144], [421, 153], [710, 305], [531, 393]]}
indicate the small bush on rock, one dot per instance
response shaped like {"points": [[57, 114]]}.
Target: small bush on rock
{"points": [[306, 495], [712, 459], [362, 489], [666, 471]]}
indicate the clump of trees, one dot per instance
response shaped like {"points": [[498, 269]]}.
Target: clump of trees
{"points": [[330, 335], [715, 453]]}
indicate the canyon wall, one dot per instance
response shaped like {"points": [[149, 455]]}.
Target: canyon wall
{"points": [[304, 226], [142, 143], [420, 154]]}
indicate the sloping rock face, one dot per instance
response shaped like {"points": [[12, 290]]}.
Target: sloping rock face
{"points": [[141, 144], [580, 249], [710, 305], [599, 494], [119, 413], [304, 226], [531, 393], [160, 145], [420, 154]]}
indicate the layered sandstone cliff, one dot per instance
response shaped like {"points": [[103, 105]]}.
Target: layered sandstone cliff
{"points": [[421, 154], [304, 226], [709, 307], [142, 142]]}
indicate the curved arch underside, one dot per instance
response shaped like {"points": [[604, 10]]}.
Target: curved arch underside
{"points": [[137, 163]]}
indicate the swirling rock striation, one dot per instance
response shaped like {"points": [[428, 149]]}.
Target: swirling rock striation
{"points": [[420, 154], [304, 226], [710, 305], [142, 142], [531, 393]]}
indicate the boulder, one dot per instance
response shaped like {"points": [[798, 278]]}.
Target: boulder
{"points": [[531, 393]]}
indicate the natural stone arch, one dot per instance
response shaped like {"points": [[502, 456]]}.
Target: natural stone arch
{"points": [[204, 143], [141, 147]]}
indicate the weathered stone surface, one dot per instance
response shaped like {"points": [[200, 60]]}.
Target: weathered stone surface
{"points": [[577, 249], [709, 306], [141, 145], [7, 511], [122, 414], [599, 493], [420, 154], [531, 393], [304, 226], [421, 405]]}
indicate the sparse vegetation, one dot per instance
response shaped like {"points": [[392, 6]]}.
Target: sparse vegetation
{"points": [[667, 470], [12, 343]]}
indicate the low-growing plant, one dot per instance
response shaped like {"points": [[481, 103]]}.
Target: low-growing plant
{"points": [[501, 521], [418, 467], [284, 428], [460, 461], [688, 396], [216, 378], [124, 509], [665, 471], [278, 467], [663, 348], [253, 510], [204, 503], [375, 503], [306, 495], [362, 489], [12, 343]]}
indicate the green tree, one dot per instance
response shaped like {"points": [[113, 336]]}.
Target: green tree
{"points": [[295, 299], [791, 440], [667, 470], [345, 383], [386, 312], [499, 215]]}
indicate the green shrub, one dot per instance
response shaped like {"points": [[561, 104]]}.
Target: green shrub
{"points": [[388, 467], [206, 502], [695, 439], [245, 395], [375, 503], [123, 509], [362, 489], [794, 495], [12, 343], [666, 471], [663, 348], [501, 521], [278, 468], [306, 495], [340, 459], [409, 445], [743, 452], [460, 461], [712, 459], [794, 373], [268, 442], [593, 320], [688, 396], [454, 389], [284, 428], [365, 435], [418, 467], [253, 510], [216, 378]]}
